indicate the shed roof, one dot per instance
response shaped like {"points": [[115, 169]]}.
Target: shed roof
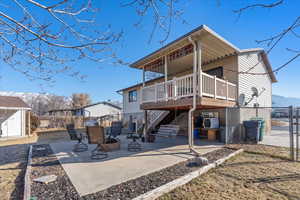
{"points": [[12, 102]]}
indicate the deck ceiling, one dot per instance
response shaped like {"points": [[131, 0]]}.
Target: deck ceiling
{"points": [[213, 47]]}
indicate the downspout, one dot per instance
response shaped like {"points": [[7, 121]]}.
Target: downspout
{"points": [[194, 106]]}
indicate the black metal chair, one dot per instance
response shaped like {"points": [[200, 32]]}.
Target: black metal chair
{"points": [[115, 129], [135, 145], [74, 135]]}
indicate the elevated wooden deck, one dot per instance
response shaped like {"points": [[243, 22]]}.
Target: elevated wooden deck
{"points": [[186, 103]]}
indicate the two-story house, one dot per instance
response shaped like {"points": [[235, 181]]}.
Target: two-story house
{"points": [[196, 73]]}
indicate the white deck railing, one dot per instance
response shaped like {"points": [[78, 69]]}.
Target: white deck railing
{"points": [[182, 86]]}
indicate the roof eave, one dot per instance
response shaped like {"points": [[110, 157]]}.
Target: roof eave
{"points": [[195, 31], [269, 67]]}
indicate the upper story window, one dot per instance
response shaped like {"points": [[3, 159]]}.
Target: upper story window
{"points": [[132, 96], [218, 72]]}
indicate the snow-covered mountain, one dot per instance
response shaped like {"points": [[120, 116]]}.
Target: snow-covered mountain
{"points": [[281, 101], [26, 96], [40, 103]]}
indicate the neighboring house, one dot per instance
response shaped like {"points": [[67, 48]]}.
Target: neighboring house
{"points": [[101, 109], [14, 117], [95, 110], [201, 72]]}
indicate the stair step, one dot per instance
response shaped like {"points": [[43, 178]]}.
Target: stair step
{"points": [[169, 126], [166, 134]]}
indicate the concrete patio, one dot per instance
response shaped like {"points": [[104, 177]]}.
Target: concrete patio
{"points": [[90, 176]]}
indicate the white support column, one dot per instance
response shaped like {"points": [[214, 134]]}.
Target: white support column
{"points": [[175, 88], [215, 87], [199, 60], [143, 76], [23, 123], [143, 85], [155, 92], [226, 89], [145, 111], [29, 123], [166, 76]]}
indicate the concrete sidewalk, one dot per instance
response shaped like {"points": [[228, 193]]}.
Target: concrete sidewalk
{"points": [[279, 138], [90, 176]]}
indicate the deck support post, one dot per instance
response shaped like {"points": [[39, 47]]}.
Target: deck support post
{"points": [[145, 124], [166, 75]]}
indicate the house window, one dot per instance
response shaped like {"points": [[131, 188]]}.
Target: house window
{"points": [[218, 72], [132, 96]]}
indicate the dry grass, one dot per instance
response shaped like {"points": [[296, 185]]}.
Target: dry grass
{"points": [[45, 138], [23, 140], [256, 174]]}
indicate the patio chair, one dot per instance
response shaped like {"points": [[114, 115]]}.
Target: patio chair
{"points": [[96, 136], [116, 129], [74, 135], [135, 145]]}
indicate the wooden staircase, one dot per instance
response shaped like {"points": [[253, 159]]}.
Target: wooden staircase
{"points": [[169, 130], [155, 117], [178, 126]]}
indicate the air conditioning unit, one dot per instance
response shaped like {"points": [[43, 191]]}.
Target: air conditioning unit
{"points": [[211, 123]]}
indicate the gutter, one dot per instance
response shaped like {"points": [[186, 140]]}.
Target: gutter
{"points": [[191, 111]]}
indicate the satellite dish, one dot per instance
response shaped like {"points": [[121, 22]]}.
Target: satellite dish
{"points": [[254, 92], [241, 100]]}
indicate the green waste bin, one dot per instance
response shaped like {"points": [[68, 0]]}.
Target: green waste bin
{"points": [[252, 128], [262, 127]]}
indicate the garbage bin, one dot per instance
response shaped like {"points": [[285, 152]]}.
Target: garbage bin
{"points": [[262, 129], [252, 128]]}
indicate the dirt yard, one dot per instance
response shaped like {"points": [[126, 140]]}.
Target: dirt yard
{"points": [[13, 154], [12, 170], [262, 172]]}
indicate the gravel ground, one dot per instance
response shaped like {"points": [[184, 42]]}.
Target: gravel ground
{"points": [[256, 174], [12, 170], [45, 163]]}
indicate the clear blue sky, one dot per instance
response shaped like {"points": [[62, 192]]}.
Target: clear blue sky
{"points": [[104, 79]]}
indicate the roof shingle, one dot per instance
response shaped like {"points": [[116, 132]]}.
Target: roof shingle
{"points": [[12, 102]]}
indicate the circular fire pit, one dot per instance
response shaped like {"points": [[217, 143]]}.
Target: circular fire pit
{"points": [[111, 144]]}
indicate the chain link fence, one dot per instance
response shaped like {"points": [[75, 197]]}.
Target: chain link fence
{"points": [[280, 126]]}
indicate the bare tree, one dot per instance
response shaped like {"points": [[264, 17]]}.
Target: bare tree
{"points": [[40, 104], [80, 99], [292, 29], [163, 13], [41, 39], [55, 102], [37, 104]]}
